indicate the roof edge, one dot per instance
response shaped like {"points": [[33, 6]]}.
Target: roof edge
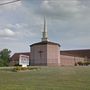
{"points": [[45, 42]]}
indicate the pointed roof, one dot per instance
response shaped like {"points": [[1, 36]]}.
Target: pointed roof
{"points": [[45, 25], [45, 33]]}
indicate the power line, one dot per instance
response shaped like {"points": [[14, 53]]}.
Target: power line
{"points": [[9, 2]]}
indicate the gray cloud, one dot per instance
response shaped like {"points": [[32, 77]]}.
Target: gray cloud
{"points": [[61, 9], [7, 33]]}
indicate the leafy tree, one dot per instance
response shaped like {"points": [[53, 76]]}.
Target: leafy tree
{"points": [[4, 57]]}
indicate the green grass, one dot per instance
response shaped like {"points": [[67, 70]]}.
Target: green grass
{"points": [[47, 78]]}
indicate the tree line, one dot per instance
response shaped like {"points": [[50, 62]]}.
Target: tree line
{"points": [[4, 57]]}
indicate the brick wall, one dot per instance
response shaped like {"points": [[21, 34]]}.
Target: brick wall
{"points": [[70, 60], [39, 55], [53, 55], [46, 54]]}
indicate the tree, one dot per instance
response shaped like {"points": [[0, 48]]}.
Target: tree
{"points": [[4, 57]]}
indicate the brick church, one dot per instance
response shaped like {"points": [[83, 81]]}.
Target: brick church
{"points": [[48, 53]]}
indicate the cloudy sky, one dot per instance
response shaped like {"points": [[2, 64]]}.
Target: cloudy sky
{"points": [[21, 23]]}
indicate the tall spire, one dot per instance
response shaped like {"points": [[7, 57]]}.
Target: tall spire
{"points": [[44, 33]]}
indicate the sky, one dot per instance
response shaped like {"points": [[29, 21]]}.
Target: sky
{"points": [[68, 23]]}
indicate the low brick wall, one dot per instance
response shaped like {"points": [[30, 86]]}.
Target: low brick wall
{"points": [[70, 60]]}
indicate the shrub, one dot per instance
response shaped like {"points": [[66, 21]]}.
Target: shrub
{"points": [[80, 63], [86, 63], [19, 68]]}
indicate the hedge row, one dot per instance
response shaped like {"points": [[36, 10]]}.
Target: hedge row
{"points": [[83, 63]]}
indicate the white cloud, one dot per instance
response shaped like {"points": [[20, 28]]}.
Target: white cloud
{"points": [[6, 33], [17, 25]]}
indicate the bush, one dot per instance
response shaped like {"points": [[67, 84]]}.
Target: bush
{"points": [[80, 63], [86, 63], [19, 68]]}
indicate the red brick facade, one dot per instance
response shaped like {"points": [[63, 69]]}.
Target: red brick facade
{"points": [[53, 55], [47, 56], [45, 53], [70, 60]]}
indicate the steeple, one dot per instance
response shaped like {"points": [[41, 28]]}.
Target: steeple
{"points": [[44, 33]]}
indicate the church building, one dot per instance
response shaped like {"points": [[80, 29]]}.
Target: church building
{"points": [[48, 53], [45, 52]]}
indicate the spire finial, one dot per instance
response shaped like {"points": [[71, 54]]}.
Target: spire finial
{"points": [[44, 33]]}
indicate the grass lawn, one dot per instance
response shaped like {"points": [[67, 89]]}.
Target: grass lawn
{"points": [[47, 78]]}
